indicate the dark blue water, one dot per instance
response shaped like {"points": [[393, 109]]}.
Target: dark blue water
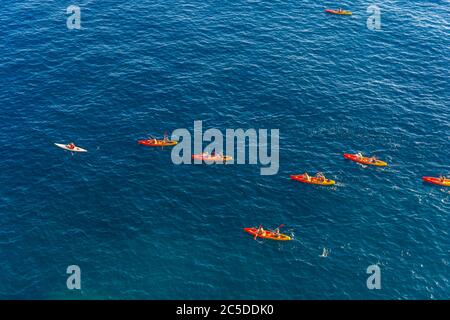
{"points": [[140, 227]]}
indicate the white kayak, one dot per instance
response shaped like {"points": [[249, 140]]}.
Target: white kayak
{"points": [[64, 146]]}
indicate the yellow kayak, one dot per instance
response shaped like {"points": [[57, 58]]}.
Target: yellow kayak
{"points": [[365, 160], [439, 181], [157, 143], [313, 180], [208, 157], [268, 234], [343, 12]]}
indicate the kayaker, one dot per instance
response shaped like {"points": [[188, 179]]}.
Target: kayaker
{"points": [[166, 137], [359, 155], [442, 178], [277, 232], [71, 145], [320, 176], [260, 232], [307, 177], [373, 159]]}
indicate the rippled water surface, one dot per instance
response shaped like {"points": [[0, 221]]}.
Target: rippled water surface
{"points": [[140, 227]]}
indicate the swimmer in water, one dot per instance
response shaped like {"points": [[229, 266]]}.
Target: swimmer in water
{"points": [[324, 253]]}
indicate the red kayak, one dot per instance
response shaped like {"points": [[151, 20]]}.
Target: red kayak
{"points": [[208, 157], [313, 180], [268, 234], [157, 143], [337, 11], [365, 160], [438, 181]]}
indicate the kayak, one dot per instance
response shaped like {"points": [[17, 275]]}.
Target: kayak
{"points": [[268, 235], [433, 180], [207, 157], [159, 143], [365, 160], [65, 147], [314, 180], [343, 12]]}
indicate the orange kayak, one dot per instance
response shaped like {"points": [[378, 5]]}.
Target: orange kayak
{"points": [[342, 12], [157, 143], [208, 157], [268, 234], [438, 181], [313, 180], [365, 160]]}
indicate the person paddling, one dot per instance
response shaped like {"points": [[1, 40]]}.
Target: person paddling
{"points": [[307, 177], [217, 155], [373, 159], [320, 176], [71, 146], [277, 231], [152, 139], [260, 232]]}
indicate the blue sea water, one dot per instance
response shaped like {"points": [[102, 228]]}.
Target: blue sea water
{"points": [[141, 227]]}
